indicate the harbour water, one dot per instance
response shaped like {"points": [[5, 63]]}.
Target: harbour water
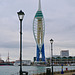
{"points": [[11, 70]]}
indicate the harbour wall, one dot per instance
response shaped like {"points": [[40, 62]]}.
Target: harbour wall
{"points": [[68, 72]]}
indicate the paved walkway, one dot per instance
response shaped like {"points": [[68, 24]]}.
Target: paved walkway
{"points": [[69, 73]]}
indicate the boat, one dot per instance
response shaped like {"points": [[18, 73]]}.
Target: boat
{"points": [[6, 64]]}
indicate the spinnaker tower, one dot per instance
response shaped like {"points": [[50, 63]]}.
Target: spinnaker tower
{"points": [[39, 32]]}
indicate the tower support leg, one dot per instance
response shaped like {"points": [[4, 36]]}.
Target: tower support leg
{"points": [[42, 52], [38, 53]]}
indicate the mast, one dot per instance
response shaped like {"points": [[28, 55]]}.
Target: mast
{"points": [[0, 57], [39, 9], [7, 58]]}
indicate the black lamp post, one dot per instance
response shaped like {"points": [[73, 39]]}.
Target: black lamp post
{"points": [[51, 41], [21, 16]]}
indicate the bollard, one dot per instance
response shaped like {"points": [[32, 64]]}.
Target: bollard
{"points": [[48, 71], [62, 69], [66, 69]]}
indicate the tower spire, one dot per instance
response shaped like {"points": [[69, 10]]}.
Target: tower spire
{"points": [[39, 5]]}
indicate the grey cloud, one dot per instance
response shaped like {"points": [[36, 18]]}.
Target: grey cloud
{"points": [[66, 44], [59, 22], [9, 44], [15, 44]]}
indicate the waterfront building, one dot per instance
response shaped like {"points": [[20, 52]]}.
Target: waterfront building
{"points": [[63, 58], [55, 56], [24, 62], [39, 31], [64, 53]]}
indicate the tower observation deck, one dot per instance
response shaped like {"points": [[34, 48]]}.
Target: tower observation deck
{"points": [[39, 31]]}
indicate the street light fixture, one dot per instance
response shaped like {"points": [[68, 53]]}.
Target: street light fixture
{"points": [[51, 41], [21, 16]]}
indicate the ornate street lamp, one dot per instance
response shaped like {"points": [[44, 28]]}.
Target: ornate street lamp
{"points": [[21, 16], [51, 41]]}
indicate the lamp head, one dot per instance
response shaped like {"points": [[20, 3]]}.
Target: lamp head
{"points": [[51, 41], [20, 15]]}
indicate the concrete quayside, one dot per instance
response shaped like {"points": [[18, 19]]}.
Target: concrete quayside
{"points": [[69, 72]]}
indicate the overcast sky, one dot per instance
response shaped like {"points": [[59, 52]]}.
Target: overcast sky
{"points": [[59, 18]]}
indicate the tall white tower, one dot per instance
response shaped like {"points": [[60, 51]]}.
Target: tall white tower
{"points": [[39, 31]]}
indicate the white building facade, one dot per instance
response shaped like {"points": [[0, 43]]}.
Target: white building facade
{"points": [[24, 62], [64, 53]]}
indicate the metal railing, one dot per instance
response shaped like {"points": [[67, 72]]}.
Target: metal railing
{"points": [[40, 72]]}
